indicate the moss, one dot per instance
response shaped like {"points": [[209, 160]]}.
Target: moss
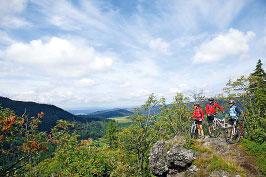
{"points": [[197, 146], [210, 162], [219, 163]]}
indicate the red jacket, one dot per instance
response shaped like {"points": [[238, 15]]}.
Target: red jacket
{"points": [[211, 109], [198, 114]]}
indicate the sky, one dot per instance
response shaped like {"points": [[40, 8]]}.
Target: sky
{"points": [[114, 53]]}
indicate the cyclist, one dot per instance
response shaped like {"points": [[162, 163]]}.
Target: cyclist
{"points": [[234, 113], [211, 112], [198, 115]]}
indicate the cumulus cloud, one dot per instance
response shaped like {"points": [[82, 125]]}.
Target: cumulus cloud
{"points": [[58, 56], [118, 61], [231, 43], [10, 13]]}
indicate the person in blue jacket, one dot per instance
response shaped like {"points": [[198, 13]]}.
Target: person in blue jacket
{"points": [[234, 113]]}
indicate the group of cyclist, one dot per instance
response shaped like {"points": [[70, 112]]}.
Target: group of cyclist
{"points": [[211, 109]]}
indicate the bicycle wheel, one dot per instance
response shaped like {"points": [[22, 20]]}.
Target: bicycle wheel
{"points": [[193, 132], [215, 131]]}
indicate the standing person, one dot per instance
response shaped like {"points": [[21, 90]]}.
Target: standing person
{"points": [[211, 112], [234, 113], [198, 115]]}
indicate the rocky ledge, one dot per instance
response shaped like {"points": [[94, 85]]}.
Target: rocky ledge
{"points": [[170, 158]]}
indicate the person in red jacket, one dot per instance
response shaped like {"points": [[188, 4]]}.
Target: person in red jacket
{"points": [[211, 109], [198, 115]]}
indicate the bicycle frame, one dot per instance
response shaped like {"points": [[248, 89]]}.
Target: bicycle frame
{"points": [[219, 122], [193, 127]]}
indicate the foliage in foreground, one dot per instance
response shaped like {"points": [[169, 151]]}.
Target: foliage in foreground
{"points": [[259, 151]]}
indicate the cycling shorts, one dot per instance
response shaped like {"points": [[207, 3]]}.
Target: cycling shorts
{"points": [[210, 119], [198, 122], [232, 121]]}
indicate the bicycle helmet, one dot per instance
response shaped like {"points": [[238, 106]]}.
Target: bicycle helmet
{"points": [[232, 102], [211, 99], [196, 104]]}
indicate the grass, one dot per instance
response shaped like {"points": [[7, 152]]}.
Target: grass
{"points": [[219, 163], [209, 161], [213, 162], [197, 146], [257, 150]]}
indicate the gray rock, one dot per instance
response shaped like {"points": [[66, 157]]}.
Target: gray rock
{"points": [[158, 161], [179, 156], [170, 157], [192, 169]]}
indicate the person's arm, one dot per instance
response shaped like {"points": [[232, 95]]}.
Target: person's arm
{"points": [[219, 107], [202, 114], [207, 109]]}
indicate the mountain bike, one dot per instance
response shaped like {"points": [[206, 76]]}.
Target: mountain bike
{"points": [[193, 130], [233, 133], [217, 127]]}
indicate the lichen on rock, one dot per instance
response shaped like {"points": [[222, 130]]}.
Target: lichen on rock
{"points": [[170, 157]]}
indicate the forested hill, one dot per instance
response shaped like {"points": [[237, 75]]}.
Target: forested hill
{"points": [[52, 113], [108, 114]]}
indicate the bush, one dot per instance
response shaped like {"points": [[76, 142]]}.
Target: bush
{"points": [[259, 151]]}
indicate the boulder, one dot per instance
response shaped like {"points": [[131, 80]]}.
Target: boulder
{"points": [[170, 157]]}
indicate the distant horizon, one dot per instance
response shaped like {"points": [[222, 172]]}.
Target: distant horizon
{"points": [[115, 53]]}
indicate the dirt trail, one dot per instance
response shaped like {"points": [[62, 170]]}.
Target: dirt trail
{"points": [[232, 152]]}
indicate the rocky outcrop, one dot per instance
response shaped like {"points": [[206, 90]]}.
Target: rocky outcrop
{"points": [[170, 157]]}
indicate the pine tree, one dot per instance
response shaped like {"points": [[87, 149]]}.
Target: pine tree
{"points": [[257, 106], [257, 78], [259, 70]]}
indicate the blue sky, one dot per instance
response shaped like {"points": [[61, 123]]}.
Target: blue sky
{"points": [[100, 53]]}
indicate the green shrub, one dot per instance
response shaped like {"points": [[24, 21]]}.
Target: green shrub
{"points": [[259, 151]]}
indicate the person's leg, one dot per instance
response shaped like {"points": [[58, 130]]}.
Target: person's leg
{"points": [[230, 129], [198, 128], [234, 126], [201, 130], [210, 122]]}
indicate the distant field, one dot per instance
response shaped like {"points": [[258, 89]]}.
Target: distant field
{"points": [[121, 119]]}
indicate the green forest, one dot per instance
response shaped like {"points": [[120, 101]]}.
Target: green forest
{"points": [[109, 148]]}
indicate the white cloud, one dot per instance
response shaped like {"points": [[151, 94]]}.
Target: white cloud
{"points": [[58, 56], [175, 90], [119, 61], [140, 93], [10, 11], [232, 43], [159, 45], [86, 82], [125, 84]]}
